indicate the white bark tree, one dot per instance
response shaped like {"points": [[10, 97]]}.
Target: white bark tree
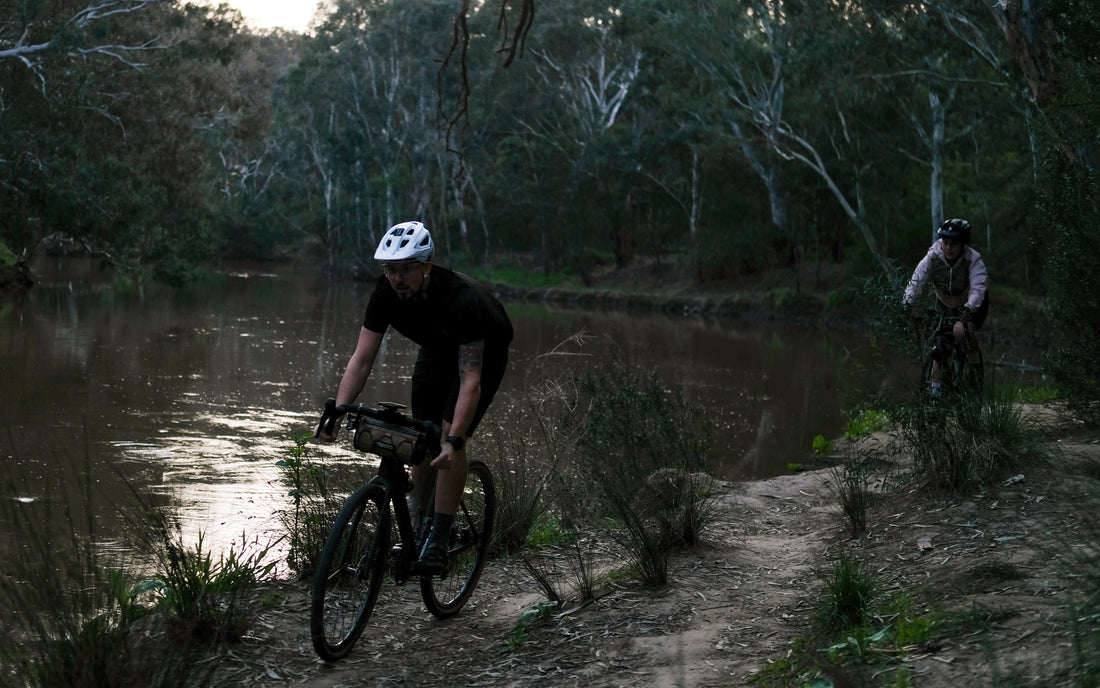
{"points": [[754, 90], [759, 95], [31, 42], [592, 91]]}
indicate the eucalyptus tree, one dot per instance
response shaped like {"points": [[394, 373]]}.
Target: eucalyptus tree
{"points": [[591, 87], [55, 58], [252, 198], [547, 143], [968, 125], [785, 68], [116, 152], [1054, 43], [36, 33], [358, 126], [743, 46]]}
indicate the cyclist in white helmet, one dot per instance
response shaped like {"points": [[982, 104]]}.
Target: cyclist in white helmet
{"points": [[463, 333]]}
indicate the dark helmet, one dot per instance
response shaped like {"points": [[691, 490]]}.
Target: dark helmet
{"points": [[955, 229]]}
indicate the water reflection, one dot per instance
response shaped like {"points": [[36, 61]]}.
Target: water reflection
{"points": [[193, 395]]}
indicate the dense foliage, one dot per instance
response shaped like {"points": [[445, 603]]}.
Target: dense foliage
{"points": [[729, 137]]}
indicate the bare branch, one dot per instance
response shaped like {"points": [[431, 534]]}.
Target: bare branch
{"points": [[107, 8], [27, 52], [512, 44]]}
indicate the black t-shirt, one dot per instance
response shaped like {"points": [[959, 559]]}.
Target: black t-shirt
{"points": [[453, 310]]}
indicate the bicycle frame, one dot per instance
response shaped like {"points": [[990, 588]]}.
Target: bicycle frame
{"points": [[393, 476], [939, 347]]}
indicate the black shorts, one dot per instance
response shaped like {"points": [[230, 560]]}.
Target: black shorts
{"points": [[435, 385], [977, 317]]}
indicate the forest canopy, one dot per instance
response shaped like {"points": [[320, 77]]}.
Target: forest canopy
{"points": [[730, 136]]}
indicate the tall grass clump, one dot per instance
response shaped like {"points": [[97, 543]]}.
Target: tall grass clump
{"points": [[208, 597], [81, 625], [846, 600], [205, 597], [542, 511], [849, 482], [643, 452], [69, 615], [965, 442], [526, 458]]}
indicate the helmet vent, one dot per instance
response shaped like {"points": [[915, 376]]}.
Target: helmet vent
{"points": [[406, 241]]}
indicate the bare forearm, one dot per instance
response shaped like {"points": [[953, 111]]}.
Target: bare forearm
{"points": [[351, 384], [468, 397], [359, 367], [470, 357]]}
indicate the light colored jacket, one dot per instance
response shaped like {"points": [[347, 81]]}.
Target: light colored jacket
{"points": [[963, 283]]}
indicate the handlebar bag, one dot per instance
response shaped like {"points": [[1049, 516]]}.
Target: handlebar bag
{"points": [[385, 439]]}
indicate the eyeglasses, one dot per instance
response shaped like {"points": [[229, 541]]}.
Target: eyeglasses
{"points": [[401, 269]]}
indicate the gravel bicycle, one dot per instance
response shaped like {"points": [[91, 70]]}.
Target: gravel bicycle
{"points": [[374, 532], [961, 369]]}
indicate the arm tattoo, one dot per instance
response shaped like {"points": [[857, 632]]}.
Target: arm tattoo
{"points": [[470, 357]]}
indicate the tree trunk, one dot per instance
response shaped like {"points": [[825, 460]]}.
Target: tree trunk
{"points": [[935, 192], [1029, 35]]}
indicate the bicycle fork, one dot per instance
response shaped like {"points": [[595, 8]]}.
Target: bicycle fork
{"points": [[403, 558]]}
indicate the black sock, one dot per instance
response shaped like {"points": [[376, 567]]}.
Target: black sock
{"points": [[441, 529]]}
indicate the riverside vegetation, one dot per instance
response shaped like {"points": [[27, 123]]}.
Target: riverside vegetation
{"points": [[606, 502]]}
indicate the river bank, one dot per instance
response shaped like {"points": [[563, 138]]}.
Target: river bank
{"points": [[996, 577]]}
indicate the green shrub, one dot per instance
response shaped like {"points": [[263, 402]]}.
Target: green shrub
{"points": [[964, 442], [866, 422], [645, 453], [316, 491]]}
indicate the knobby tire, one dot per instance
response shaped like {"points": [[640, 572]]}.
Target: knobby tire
{"points": [[350, 572]]}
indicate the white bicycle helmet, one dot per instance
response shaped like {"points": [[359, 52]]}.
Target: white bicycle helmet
{"points": [[406, 241]]}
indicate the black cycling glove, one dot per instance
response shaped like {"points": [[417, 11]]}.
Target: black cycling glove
{"points": [[329, 419]]}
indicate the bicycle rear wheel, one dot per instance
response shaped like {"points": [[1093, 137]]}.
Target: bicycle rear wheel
{"points": [[469, 545], [349, 572]]}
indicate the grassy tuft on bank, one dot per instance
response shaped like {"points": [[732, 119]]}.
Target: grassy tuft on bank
{"points": [[78, 614]]}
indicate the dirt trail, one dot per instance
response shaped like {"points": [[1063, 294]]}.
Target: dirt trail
{"points": [[738, 602]]}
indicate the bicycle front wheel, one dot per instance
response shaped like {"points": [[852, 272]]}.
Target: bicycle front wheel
{"points": [[469, 545], [970, 376], [349, 573]]}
